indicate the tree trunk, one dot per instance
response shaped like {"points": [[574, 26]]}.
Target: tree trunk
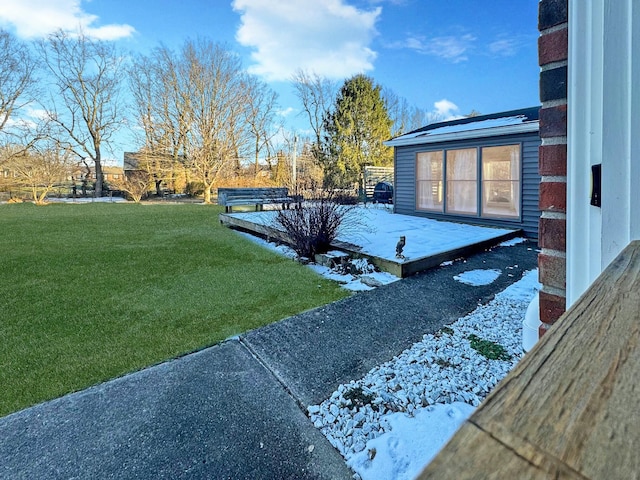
{"points": [[99, 176], [257, 151]]}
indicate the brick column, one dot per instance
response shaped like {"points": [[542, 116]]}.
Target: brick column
{"points": [[552, 58]]}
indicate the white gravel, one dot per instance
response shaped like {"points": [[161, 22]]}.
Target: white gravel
{"points": [[443, 368]]}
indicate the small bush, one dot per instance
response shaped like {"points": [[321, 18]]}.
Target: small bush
{"points": [[194, 189], [313, 224], [447, 330], [358, 397], [443, 362], [346, 199], [135, 185], [488, 349]]}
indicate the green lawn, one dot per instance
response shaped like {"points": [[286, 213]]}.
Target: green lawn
{"points": [[90, 292]]}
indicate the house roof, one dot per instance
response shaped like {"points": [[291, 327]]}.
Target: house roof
{"points": [[131, 160], [112, 169], [504, 123]]}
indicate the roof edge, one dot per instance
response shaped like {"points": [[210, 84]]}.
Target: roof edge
{"points": [[531, 113], [527, 127]]}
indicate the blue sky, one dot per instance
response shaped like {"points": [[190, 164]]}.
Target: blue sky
{"points": [[449, 57]]}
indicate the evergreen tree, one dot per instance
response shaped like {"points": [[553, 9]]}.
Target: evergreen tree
{"points": [[355, 130]]}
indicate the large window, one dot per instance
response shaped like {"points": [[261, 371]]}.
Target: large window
{"points": [[501, 181], [482, 181], [429, 191], [462, 181]]}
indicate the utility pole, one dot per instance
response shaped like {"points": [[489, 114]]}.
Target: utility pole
{"points": [[294, 172]]}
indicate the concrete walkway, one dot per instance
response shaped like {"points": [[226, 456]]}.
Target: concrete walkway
{"points": [[236, 410]]}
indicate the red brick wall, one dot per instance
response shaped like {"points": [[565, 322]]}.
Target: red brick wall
{"points": [[552, 58]]}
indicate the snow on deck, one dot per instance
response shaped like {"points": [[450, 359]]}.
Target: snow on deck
{"points": [[377, 231]]}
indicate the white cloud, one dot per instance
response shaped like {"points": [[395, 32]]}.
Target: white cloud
{"points": [[392, 2], [27, 117], [508, 46], [37, 113], [328, 37], [446, 110], [38, 18], [110, 32], [452, 48], [286, 111]]}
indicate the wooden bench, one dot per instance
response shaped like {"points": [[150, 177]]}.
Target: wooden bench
{"points": [[230, 197], [570, 407]]}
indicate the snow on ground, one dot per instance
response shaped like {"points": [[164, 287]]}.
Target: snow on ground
{"points": [[377, 230], [368, 280], [409, 438], [478, 277], [391, 423], [512, 242], [86, 200]]}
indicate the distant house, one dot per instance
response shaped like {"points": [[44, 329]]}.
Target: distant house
{"points": [[481, 170], [112, 173], [131, 162], [109, 173]]}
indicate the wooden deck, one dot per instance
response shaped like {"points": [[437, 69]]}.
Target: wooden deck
{"points": [[571, 407], [400, 269]]}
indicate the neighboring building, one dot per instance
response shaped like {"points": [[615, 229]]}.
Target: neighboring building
{"points": [[481, 170], [131, 161], [109, 173]]}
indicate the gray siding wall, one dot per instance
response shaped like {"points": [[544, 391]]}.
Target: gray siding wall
{"points": [[405, 181]]}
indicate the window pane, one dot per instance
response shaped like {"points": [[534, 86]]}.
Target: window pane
{"points": [[462, 181], [429, 181], [501, 181]]}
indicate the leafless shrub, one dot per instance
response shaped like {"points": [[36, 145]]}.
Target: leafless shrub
{"points": [[136, 184], [38, 171], [312, 225]]}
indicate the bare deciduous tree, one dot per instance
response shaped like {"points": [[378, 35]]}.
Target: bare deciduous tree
{"points": [[86, 110], [17, 77], [317, 95], [160, 104], [217, 93], [194, 104], [260, 118], [18, 88], [406, 117]]}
